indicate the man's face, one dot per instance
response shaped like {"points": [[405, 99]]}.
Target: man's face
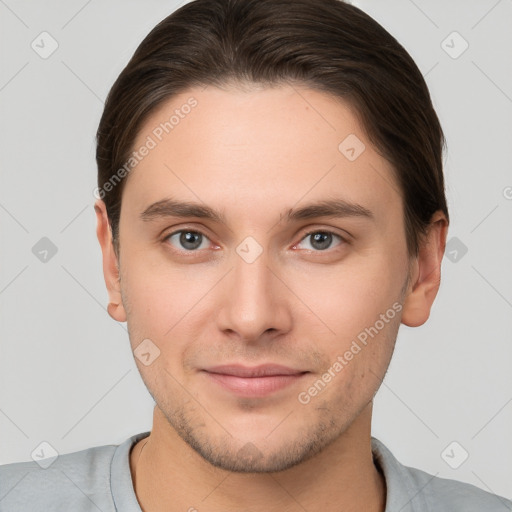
{"points": [[222, 298]]}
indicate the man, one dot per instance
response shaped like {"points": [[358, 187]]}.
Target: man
{"points": [[271, 208]]}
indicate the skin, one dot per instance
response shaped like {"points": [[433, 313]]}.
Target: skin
{"points": [[253, 154]]}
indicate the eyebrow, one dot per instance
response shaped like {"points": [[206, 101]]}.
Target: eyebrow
{"points": [[338, 208]]}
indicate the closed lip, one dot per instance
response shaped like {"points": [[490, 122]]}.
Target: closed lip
{"points": [[263, 370]]}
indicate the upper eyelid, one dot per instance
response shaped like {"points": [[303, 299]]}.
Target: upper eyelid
{"points": [[344, 239], [327, 230]]}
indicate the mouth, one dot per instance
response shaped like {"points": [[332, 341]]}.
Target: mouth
{"points": [[255, 381]]}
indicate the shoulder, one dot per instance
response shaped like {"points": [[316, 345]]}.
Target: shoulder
{"points": [[80, 480], [448, 495], [414, 490]]}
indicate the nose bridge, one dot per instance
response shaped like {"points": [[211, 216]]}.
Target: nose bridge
{"points": [[251, 278], [251, 304]]}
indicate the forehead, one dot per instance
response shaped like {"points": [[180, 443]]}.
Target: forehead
{"points": [[264, 147]]}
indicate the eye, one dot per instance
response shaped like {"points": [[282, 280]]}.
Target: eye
{"points": [[321, 239], [187, 240]]}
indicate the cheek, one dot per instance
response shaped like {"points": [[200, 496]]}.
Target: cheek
{"points": [[154, 295], [346, 299], [164, 305], [360, 305], [363, 367], [148, 318]]}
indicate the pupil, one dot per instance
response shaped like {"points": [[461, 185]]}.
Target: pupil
{"points": [[324, 240], [188, 238]]}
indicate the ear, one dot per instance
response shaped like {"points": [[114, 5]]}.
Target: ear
{"points": [[110, 263], [426, 273]]}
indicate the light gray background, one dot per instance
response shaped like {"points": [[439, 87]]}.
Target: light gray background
{"points": [[67, 375]]}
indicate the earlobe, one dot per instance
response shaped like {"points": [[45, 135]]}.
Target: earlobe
{"points": [[117, 311], [426, 274], [110, 263]]}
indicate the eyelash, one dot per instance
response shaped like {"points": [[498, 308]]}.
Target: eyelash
{"points": [[343, 240]]}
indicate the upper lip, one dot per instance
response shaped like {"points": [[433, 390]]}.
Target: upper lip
{"points": [[263, 370]]}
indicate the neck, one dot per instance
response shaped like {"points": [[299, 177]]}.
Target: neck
{"points": [[169, 475]]}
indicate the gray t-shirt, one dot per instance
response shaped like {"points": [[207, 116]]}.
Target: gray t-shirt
{"points": [[99, 479]]}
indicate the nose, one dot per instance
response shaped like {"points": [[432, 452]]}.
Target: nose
{"points": [[255, 302]]}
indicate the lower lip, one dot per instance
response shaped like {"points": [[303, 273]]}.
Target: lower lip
{"points": [[255, 386]]}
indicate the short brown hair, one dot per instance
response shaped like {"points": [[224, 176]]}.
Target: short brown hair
{"points": [[327, 45]]}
